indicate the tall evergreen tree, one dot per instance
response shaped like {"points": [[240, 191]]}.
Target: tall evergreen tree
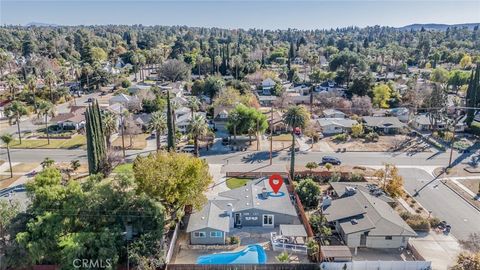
{"points": [[473, 94], [96, 145], [170, 134]]}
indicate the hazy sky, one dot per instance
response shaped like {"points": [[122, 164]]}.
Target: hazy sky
{"points": [[268, 14]]}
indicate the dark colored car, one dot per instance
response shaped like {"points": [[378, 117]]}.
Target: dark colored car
{"points": [[331, 160]]}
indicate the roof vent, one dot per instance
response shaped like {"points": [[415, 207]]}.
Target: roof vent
{"points": [[203, 218], [354, 221]]}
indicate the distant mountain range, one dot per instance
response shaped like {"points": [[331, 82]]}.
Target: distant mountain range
{"points": [[437, 26], [41, 24]]}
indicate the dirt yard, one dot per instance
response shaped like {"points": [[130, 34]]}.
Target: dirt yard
{"points": [[385, 143]]}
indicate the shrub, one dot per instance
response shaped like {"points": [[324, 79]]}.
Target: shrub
{"points": [[309, 193], [356, 177], [434, 222], [371, 137], [233, 240], [340, 137], [416, 222], [335, 177], [126, 83]]}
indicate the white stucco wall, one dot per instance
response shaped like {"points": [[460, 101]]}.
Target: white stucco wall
{"points": [[381, 242]]}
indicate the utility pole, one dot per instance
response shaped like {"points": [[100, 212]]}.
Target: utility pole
{"points": [[123, 134], [258, 140], [271, 133]]}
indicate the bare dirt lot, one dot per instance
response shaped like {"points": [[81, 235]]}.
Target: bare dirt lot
{"points": [[384, 143]]}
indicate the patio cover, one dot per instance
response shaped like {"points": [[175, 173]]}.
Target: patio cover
{"points": [[293, 230], [338, 253]]}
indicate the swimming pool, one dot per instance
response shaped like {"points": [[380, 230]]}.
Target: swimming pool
{"points": [[252, 254]]}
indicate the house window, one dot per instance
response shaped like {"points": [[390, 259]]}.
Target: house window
{"points": [[267, 220], [199, 234], [216, 234], [388, 238]]}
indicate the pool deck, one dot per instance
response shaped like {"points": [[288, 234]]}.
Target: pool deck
{"points": [[247, 235]]}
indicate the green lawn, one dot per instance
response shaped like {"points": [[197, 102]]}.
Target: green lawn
{"points": [[75, 142], [236, 182], [124, 168]]}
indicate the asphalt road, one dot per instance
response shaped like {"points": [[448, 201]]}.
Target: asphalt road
{"points": [[444, 203]]}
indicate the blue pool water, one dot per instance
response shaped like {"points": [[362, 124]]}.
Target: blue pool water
{"points": [[252, 254]]}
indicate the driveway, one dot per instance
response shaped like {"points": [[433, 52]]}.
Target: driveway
{"points": [[440, 249]]}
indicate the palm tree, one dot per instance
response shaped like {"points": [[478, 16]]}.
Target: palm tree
{"points": [[110, 124], [12, 85], [50, 80], [75, 164], [198, 127], [14, 112], [7, 139], [32, 86], [158, 123], [193, 104], [295, 117], [46, 109]]}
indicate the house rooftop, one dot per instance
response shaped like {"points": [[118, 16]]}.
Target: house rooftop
{"points": [[323, 122], [381, 122], [210, 216], [293, 230], [362, 212]]}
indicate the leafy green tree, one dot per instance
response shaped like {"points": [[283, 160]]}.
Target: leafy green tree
{"points": [[8, 211], [12, 85], [311, 165], [457, 78], [361, 86], [90, 220], [46, 109], [174, 70], [473, 94], [158, 123], [357, 130], [173, 179], [193, 104], [347, 61], [244, 120], [197, 128], [381, 96], [7, 139], [309, 193], [295, 117], [15, 111]]}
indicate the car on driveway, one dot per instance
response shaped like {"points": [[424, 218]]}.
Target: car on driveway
{"points": [[331, 160]]}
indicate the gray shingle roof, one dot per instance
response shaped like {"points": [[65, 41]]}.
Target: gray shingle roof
{"points": [[342, 122], [249, 196], [210, 216], [389, 122], [367, 211], [293, 230], [339, 188]]}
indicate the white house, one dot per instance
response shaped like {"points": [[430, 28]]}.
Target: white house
{"points": [[122, 99], [330, 126], [267, 85], [332, 113]]}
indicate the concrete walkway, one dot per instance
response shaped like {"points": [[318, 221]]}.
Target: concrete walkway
{"points": [[219, 180], [440, 249]]}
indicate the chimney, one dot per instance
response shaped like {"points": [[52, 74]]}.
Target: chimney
{"points": [[264, 193]]}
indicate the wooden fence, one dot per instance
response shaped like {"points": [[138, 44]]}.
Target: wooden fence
{"points": [[307, 266]]}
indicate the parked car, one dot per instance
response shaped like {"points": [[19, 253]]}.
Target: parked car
{"points": [[188, 149], [225, 141], [331, 160]]}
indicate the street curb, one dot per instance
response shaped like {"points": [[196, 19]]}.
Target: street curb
{"points": [[460, 195]]}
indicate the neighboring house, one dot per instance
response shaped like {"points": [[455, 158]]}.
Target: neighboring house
{"points": [[75, 119], [267, 86], [332, 113], [385, 125], [266, 101], [330, 126], [253, 205], [363, 220], [134, 89], [297, 98], [345, 189], [117, 108], [329, 86], [183, 121], [122, 99], [142, 120], [278, 126], [220, 113], [402, 113], [422, 122]]}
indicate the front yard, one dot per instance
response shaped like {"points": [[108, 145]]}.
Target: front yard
{"points": [[138, 142], [384, 143], [75, 142]]}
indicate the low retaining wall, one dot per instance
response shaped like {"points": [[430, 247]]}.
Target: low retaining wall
{"points": [[210, 247]]}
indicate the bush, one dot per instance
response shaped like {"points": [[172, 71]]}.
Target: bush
{"points": [[371, 137], [233, 240], [309, 193], [340, 137], [434, 222], [126, 83], [335, 177], [356, 177], [416, 222]]}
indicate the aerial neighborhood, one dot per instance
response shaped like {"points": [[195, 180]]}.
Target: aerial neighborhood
{"points": [[175, 147]]}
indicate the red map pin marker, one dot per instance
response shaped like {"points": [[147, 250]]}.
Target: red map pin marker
{"points": [[276, 182]]}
